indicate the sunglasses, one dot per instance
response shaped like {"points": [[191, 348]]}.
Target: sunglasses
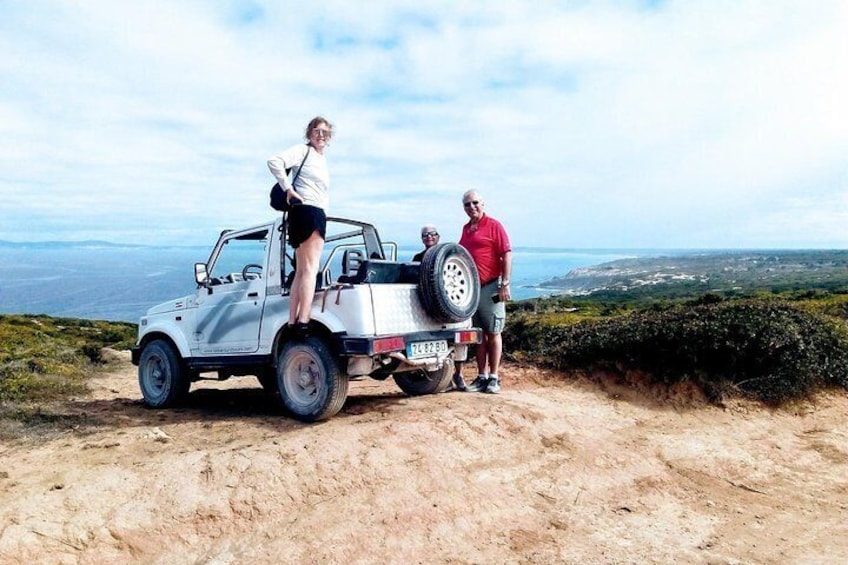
{"points": [[429, 234], [322, 132], [470, 203]]}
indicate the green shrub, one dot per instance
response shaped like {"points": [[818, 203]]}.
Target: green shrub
{"points": [[44, 358], [769, 349]]}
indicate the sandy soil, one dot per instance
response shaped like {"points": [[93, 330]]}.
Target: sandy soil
{"points": [[554, 469]]}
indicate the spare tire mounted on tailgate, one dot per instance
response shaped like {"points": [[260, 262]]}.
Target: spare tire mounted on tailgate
{"points": [[449, 285]]}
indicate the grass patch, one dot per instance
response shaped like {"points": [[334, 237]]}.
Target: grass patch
{"points": [[772, 347], [45, 360]]}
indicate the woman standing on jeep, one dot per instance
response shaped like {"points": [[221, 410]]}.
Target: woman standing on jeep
{"points": [[307, 220]]}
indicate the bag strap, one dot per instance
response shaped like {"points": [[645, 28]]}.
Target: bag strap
{"points": [[285, 220], [297, 174]]}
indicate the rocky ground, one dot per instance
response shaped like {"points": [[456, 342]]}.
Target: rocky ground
{"points": [[555, 469]]}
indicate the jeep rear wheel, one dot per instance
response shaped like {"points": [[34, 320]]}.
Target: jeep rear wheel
{"points": [[449, 283], [161, 376], [417, 383], [310, 384]]}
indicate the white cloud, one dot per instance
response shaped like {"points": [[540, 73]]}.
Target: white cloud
{"points": [[601, 124]]}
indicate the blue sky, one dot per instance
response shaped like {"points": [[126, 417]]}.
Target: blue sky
{"points": [[703, 124]]}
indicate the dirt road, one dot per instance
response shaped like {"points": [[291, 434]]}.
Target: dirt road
{"points": [[551, 470]]}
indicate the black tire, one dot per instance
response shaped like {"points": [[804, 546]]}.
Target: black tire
{"points": [[449, 283], [417, 383], [162, 378], [310, 384]]}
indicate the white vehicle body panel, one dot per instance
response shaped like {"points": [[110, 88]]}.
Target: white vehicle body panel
{"points": [[239, 311]]}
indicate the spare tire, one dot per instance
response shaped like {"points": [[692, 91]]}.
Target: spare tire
{"points": [[449, 284]]}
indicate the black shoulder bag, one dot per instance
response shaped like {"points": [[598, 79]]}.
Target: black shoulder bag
{"points": [[278, 195]]}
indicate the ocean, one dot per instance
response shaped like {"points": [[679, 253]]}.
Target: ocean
{"points": [[119, 283]]}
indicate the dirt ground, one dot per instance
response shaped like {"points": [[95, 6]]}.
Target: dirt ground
{"points": [[555, 469]]}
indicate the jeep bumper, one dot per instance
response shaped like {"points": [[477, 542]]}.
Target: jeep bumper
{"points": [[377, 345]]}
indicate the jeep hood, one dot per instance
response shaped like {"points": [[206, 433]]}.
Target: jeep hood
{"points": [[171, 306]]}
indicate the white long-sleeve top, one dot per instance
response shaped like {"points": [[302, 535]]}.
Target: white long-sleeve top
{"points": [[313, 182]]}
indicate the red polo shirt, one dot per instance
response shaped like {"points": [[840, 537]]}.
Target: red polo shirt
{"points": [[487, 242]]}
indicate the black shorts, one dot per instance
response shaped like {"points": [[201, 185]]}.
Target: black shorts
{"points": [[303, 220]]}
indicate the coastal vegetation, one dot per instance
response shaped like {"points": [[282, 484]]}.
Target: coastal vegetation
{"points": [[690, 274], [776, 340], [45, 360], [770, 325], [773, 348]]}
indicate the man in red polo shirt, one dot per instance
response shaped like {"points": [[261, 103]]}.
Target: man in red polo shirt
{"points": [[488, 243]]}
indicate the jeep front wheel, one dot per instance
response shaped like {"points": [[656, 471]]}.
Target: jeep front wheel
{"points": [[161, 376], [417, 383], [449, 284], [309, 381]]}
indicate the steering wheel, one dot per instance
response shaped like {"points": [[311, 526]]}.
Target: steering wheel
{"points": [[244, 271]]}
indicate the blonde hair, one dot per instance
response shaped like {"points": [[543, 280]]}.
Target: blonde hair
{"points": [[315, 122]]}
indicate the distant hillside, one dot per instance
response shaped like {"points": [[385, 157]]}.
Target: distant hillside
{"points": [[728, 271]]}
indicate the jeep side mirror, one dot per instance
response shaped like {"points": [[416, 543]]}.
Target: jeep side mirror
{"points": [[200, 275]]}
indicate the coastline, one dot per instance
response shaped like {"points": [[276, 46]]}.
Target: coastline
{"points": [[119, 283]]}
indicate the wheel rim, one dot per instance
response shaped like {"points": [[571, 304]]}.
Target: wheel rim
{"points": [[303, 378], [156, 374], [457, 282]]}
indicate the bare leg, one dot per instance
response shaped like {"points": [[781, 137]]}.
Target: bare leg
{"points": [[308, 255], [294, 299], [458, 381], [482, 354], [494, 348]]}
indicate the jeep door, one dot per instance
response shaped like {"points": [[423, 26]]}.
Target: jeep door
{"points": [[229, 306]]}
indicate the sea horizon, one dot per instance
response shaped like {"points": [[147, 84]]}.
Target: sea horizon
{"points": [[408, 246], [103, 280]]}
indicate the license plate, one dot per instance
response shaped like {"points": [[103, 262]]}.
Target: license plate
{"points": [[420, 349]]}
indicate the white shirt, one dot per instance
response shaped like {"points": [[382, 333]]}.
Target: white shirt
{"points": [[313, 182]]}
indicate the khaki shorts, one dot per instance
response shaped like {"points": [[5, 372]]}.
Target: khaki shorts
{"points": [[490, 315]]}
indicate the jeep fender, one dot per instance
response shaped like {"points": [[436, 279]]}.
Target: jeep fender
{"points": [[330, 323], [178, 338]]}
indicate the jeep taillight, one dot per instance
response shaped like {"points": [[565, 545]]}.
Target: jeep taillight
{"points": [[386, 344], [467, 336]]}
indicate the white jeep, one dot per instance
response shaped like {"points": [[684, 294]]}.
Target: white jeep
{"points": [[378, 318]]}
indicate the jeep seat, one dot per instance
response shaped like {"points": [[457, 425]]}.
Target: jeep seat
{"points": [[378, 271]]}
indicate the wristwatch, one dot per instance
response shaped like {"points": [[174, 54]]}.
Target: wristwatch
{"points": [[503, 284]]}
